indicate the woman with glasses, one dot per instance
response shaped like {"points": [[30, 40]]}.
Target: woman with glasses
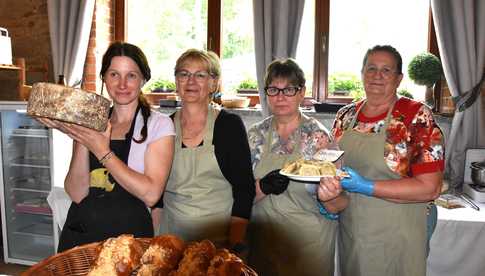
{"points": [[115, 175], [291, 232], [394, 154], [210, 190]]}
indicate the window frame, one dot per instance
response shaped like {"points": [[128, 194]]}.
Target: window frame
{"points": [[322, 35]]}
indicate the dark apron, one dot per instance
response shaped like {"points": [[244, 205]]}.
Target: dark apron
{"points": [[106, 211]]}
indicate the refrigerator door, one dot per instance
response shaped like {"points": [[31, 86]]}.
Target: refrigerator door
{"points": [[28, 232]]}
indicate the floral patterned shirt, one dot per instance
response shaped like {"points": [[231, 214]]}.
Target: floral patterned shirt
{"points": [[414, 143], [313, 137]]}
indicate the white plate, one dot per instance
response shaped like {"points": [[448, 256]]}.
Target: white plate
{"points": [[328, 155], [311, 178]]}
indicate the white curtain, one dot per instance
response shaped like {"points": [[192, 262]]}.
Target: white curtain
{"points": [[460, 29], [276, 31], [70, 25]]}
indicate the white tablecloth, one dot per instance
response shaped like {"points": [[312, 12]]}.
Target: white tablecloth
{"points": [[458, 243]]}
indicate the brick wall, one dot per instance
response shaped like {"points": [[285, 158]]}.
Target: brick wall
{"points": [[102, 34], [28, 25]]}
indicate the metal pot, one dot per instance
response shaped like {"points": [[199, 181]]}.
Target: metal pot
{"points": [[478, 173]]}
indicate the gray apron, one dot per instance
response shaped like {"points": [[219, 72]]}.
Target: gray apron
{"points": [[198, 199], [288, 236], [378, 237]]}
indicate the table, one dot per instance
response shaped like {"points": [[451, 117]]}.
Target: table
{"points": [[458, 243]]}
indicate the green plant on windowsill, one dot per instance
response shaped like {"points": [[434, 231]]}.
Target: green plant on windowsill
{"points": [[247, 86], [344, 84], [162, 85]]}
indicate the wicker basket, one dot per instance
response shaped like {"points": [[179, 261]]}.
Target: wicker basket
{"points": [[78, 260]]}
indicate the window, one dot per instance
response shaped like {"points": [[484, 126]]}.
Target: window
{"points": [[333, 40], [238, 60], [174, 27], [179, 25], [356, 26]]}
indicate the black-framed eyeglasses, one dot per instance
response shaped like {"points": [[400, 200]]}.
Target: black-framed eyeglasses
{"points": [[199, 76], [289, 91]]}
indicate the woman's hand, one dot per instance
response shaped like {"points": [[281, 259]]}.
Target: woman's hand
{"points": [[97, 142], [51, 123], [329, 188], [357, 183]]}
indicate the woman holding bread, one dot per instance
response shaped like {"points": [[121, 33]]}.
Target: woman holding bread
{"points": [[116, 175], [291, 232], [210, 189]]}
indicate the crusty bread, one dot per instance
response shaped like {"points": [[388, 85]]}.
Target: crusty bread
{"points": [[69, 105], [117, 256], [225, 263], [196, 259], [304, 167], [162, 256]]}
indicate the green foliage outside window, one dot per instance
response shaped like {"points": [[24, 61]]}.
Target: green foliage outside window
{"points": [[248, 84], [344, 83], [161, 85]]}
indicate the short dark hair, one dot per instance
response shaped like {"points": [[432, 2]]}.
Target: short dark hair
{"points": [[287, 69], [385, 48], [119, 48]]}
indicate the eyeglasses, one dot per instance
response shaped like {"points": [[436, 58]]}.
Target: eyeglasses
{"points": [[289, 91], [386, 72], [199, 76]]}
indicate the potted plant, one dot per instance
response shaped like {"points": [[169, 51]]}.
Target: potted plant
{"points": [[162, 85], [425, 69], [343, 84], [249, 88]]}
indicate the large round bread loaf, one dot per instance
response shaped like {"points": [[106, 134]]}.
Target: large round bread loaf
{"points": [[69, 105]]}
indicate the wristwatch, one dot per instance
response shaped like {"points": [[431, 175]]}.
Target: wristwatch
{"points": [[239, 247]]}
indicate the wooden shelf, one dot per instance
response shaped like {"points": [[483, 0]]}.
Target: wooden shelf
{"points": [[10, 67], [13, 78]]}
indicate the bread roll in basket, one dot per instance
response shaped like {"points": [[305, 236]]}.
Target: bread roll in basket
{"points": [[68, 104], [164, 255]]}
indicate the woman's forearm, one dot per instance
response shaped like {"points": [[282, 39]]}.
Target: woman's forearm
{"points": [[147, 186], [76, 182], [420, 188], [237, 230], [337, 204]]}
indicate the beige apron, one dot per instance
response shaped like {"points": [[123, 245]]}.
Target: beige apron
{"points": [[378, 237], [288, 236], [198, 199]]}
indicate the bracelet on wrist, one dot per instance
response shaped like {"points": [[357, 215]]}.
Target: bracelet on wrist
{"points": [[323, 211], [106, 157]]}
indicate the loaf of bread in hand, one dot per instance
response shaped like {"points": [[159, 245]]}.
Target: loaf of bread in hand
{"points": [[69, 104], [196, 259], [117, 256], [162, 256]]}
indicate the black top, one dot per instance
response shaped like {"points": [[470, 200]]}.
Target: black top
{"points": [[231, 148], [108, 210]]}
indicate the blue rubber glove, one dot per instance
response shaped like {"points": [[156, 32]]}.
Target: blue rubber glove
{"points": [[357, 183]]}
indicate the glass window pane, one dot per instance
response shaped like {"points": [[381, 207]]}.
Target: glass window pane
{"points": [[164, 29], [238, 57], [356, 26], [305, 49]]}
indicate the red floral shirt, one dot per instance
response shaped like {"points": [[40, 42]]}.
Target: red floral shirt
{"points": [[414, 143]]}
